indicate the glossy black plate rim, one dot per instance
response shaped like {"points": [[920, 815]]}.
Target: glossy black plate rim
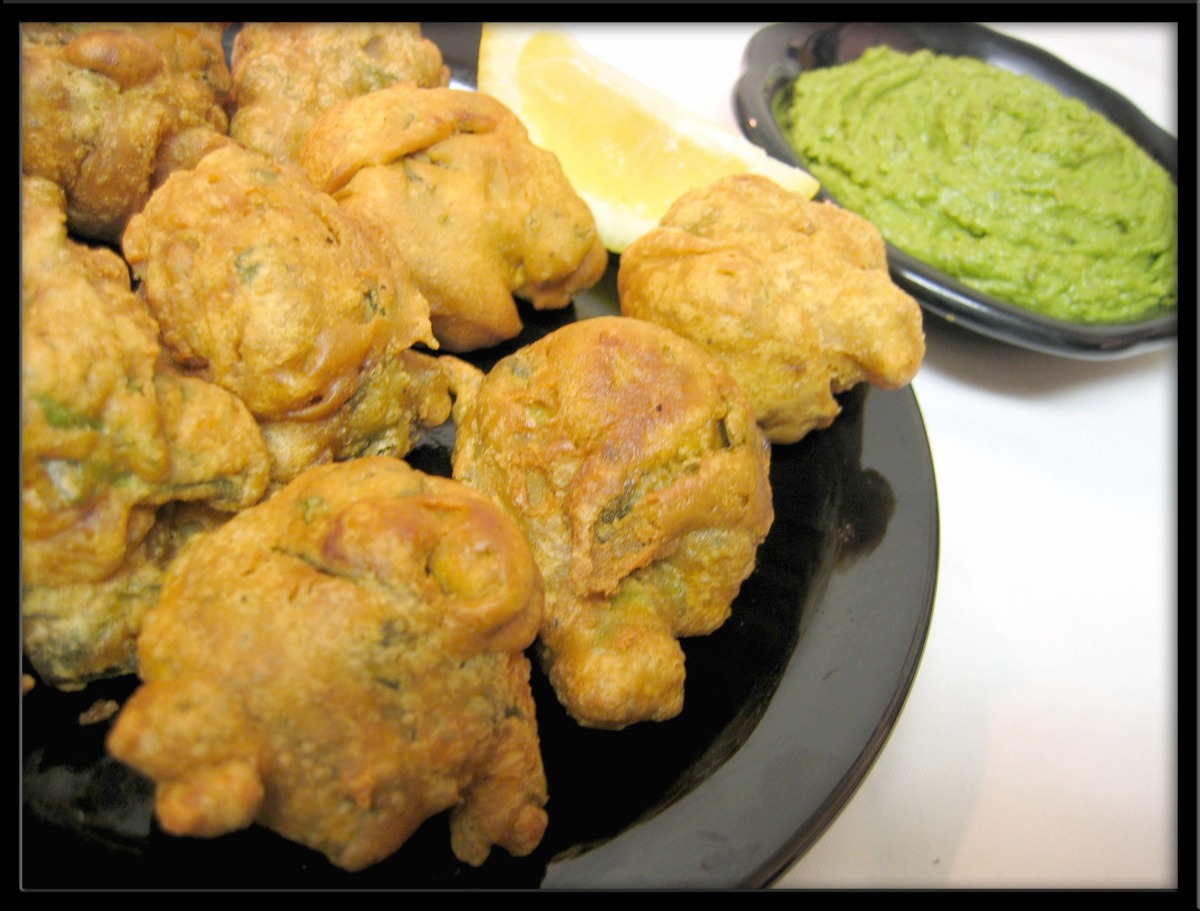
{"points": [[775, 57], [828, 720]]}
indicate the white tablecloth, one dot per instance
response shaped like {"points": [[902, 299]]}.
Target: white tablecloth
{"points": [[1037, 747]]}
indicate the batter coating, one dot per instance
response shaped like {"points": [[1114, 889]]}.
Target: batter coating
{"points": [[792, 296], [286, 74], [633, 464], [342, 662], [479, 212]]}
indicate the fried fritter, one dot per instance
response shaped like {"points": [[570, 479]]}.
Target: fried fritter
{"points": [[286, 74], [478, 211], [793, 296], [264, 286], [341, 662], [98, 102], [108, 434], [634, 466]]}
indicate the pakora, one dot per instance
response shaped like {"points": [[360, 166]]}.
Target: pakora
{"points": [[286, 74], [633, 464], [481, 214], [100, 100], [340, 663], [793, 296], [263, 285]]}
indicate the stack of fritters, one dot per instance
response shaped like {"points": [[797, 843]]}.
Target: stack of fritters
{"points": [[270, 336], [331, 643], [108, 434]]}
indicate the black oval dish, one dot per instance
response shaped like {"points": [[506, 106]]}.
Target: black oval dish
{"points": [[787, 707], [779, 53]]}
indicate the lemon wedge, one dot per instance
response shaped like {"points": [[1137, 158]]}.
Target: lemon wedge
{"points": [[628, 151]]}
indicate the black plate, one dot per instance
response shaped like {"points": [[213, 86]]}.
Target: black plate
{"points": [[787, 707], [779, 53]]}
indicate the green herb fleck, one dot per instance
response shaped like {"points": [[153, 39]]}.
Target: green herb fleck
{"points": [[312, 507], [246, 268], [614, 510], [371, 305], [59, 415]]}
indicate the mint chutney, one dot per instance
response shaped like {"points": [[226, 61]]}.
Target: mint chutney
{"points": [[995, 179]]}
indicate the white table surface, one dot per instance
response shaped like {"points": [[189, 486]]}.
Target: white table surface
{"points": [[1037, 747]]}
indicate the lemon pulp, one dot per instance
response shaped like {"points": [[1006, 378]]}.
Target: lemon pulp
{"points": [[629, 152], [610, 136]]}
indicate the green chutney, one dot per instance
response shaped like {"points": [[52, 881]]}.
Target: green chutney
{"points": [[996, 179]]}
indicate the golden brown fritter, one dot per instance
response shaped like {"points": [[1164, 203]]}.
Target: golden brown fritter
{"points": [[478, 211], [634, 466], [793, 296], [286, 74], [264, 286], [107, 435], [341, 662], [98, 102]]}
